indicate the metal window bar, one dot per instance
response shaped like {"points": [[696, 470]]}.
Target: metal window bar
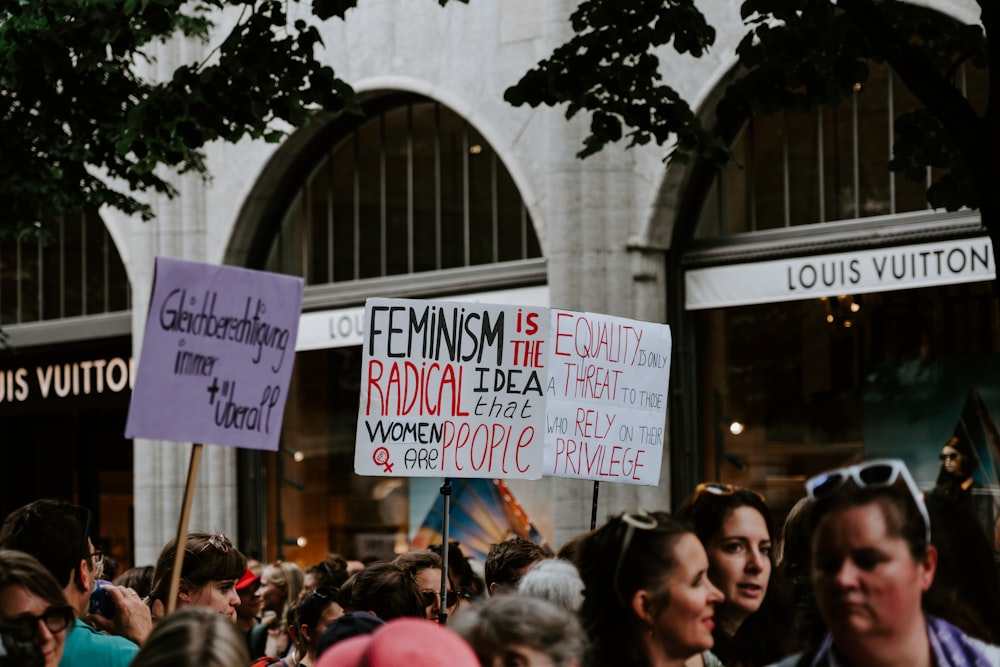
{"points": [[18, 281], [83, 265], [891, 110], [357, 206], [382, 199], [437, 187], [495, 206], [466, 226], [786, 176], [305, 228], [40, 287], [409, 189], [330, 195], [821, 175], [106, 270], [856, 147], [752, 175], [62, 266]]}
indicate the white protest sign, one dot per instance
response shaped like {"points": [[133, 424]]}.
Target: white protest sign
{"points": [[452, 389], [217, 355], [606, 398]]}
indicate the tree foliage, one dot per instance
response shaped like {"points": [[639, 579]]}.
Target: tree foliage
{"points": [[795, 55], [80, 127]]}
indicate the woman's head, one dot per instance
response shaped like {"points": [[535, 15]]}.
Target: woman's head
{"points": [[315, 610], [871, 557], [280, 585], [735, 527], [425, 566], [957, 457], [385, 589], [194, 636], [32, 605], [522, 630], [212, 565], [646, 577]]}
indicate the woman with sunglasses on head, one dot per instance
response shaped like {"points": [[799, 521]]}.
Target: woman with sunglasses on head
{"points": [[735, 527], [315, 610], [33, 609], [649, 601], [872, 561], [211, 568], [425, 566]]}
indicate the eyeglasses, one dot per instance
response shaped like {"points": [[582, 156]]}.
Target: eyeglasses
{"points": [[948, 457], [878, 473], [431, 597], [641, 520], [220, 542], [721, 489], [25, 626]]}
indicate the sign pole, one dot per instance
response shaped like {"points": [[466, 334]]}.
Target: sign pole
{"points": [[182, 526], [593, 507], [446, 492]]}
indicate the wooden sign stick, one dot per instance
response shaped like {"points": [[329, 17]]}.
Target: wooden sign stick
{"points": [[182, 527]]}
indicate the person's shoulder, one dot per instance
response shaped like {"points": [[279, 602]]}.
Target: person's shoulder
{"points": [[86, 646], [989, 651], [788, 661]]}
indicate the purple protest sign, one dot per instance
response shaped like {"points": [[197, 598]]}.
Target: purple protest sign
{"points": [[217, 355]]}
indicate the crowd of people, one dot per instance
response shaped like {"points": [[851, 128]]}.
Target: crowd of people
{"points": [[864, 571]]}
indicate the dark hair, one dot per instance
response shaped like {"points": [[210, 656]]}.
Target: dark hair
{"points": [[899, 509], [194, 636], [705, 512], [506, 559], [386, 589], [763, 637], [966, 589], [311, 605], [607, 617], [795, 567], [331, 572], [463, 578], [961, 443], [53, 531], [22, 569], [416, 562], [139, 579], [207, 557]]}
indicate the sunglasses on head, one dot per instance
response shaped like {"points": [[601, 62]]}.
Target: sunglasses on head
{"points": [[721, 489], [871, 474], [641, 520], [431, 597], [219, 542]]}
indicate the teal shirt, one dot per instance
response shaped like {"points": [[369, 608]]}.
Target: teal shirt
{"points": [[86, 647]]}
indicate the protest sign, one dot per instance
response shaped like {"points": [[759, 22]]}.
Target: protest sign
{"points": [[451, 389], [217, 355], [606, 398]]}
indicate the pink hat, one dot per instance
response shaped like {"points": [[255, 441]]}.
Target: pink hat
{"points": [[402, 641]]}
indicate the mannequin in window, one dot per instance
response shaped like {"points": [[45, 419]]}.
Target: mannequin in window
{"points": [[956, 480]]}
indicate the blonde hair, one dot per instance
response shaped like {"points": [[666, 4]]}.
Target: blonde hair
{"points": [[194, 636], [289, 576]]}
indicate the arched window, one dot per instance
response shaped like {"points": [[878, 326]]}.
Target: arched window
{"points": [[821, 166], [76, 271], [413, 188]]}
